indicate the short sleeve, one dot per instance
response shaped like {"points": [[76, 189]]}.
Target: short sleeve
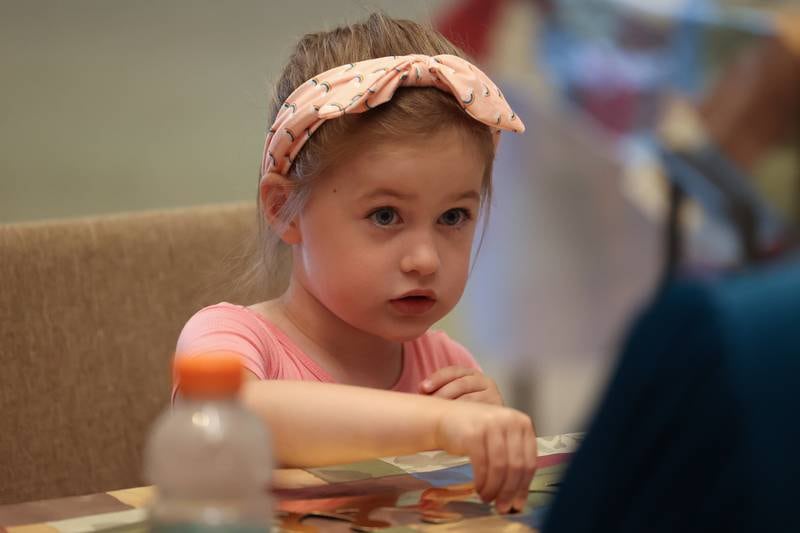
{"points": [[229, 328]]}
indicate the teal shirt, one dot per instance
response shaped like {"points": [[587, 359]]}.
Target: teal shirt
{"points": [[699, 429]]}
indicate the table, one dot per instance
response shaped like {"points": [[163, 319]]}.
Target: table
{"points": [[428, 491]]}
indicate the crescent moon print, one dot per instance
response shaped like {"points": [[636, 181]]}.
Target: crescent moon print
{"points": [[355, 99], [333, 105], [371, 90]]}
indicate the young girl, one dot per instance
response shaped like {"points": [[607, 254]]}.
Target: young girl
{"points": [[375, 169]]}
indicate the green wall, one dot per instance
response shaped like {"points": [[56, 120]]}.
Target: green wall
{"points": [[112, 105]]}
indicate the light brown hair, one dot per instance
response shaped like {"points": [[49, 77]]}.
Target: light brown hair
{"points": [[412, 112]]}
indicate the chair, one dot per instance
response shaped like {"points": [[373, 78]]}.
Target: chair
{"points": [[90, 310]]}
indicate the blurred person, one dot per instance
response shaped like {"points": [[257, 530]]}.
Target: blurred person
{"points": [[698, 428]]}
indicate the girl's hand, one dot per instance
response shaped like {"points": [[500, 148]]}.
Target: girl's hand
{"points": [[455, 382], [501, 444]]}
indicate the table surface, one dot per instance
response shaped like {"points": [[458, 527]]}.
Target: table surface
{"points": [[429, 491]]}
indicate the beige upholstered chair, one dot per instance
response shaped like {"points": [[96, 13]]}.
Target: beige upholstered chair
{"points": [[90, 310]]}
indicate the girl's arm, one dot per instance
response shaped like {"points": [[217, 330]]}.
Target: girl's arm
{"points": [[320, 423]]}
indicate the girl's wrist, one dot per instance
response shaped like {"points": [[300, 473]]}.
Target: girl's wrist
{"points": [[438, 411]]}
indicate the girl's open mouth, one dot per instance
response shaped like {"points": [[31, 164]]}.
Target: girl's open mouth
{"points": [[413, 304]]}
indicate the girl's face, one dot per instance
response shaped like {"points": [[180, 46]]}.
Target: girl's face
{"points": [[385, 239]]}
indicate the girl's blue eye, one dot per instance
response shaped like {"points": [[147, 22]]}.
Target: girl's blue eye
{"points": [[454, 217], [384, 216]]}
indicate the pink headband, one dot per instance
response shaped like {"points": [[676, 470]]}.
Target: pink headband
{"points": [[358, 87]]}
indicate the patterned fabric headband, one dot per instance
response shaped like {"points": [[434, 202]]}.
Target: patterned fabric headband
{"points": [[361, 86]]}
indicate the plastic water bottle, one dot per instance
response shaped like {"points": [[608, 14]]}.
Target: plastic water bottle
{"points": [[209, 457]]}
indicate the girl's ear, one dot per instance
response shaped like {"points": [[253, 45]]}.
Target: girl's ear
{"points": [[274, 191]]}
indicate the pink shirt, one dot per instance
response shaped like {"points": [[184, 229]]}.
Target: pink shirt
{"points": [[270, 354]]}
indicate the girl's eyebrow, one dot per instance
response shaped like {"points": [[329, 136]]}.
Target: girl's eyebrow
{"points": [[471, 194], [383, 191]]}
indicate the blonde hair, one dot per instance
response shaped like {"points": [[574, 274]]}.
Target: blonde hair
{"points": [[412, 112]]}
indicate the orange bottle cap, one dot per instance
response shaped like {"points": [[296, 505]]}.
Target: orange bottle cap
{"points": [[208, 375]]}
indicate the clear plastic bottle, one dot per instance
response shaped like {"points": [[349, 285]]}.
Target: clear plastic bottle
{"points": [[209, 458]]}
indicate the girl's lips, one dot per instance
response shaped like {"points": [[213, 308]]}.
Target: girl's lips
{"points": [[414, 303], [427, 293]]}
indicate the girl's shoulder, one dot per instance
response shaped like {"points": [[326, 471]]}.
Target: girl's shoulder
{"points": [[224, 311], [265, 350], [232, 328], [225, 317]]}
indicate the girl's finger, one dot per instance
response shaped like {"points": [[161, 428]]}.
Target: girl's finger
{"points": [[443, 376], [461, 386], [497, 459], [509, 491], [529, 449], [479, 458], [482, 396], [477, 396]]}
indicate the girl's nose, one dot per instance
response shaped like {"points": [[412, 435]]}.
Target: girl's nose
{"points": [[423, 259]]}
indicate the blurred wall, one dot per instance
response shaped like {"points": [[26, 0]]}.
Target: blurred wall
{"points": [[111, 105], [567, 256]]}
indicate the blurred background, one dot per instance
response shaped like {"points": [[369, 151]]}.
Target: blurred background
{"points": [[112, 106]]}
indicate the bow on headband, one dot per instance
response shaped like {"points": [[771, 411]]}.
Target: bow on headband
{"points": [[358, 87]]}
